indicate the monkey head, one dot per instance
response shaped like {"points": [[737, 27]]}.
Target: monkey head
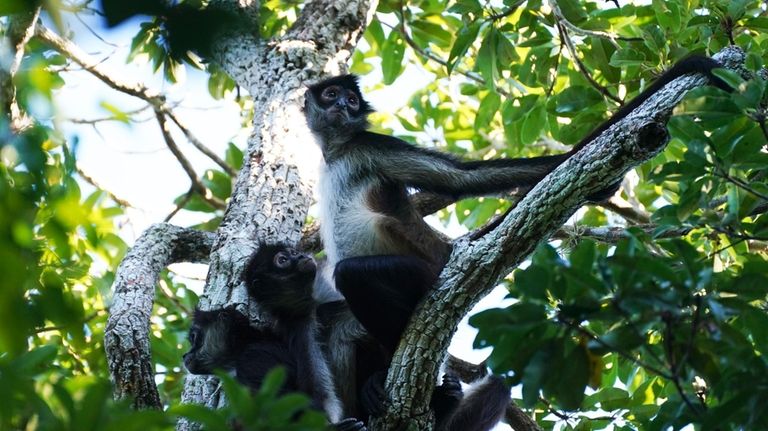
{"points": [[280, 278], [214, 342], [336, 106]]}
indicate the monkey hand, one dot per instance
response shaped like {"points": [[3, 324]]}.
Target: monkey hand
{"points": [[446, 397], [373, 397], [350, 424]]}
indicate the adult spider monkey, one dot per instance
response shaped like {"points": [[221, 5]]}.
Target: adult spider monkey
{"points": [[385, 257], [280, 279]]}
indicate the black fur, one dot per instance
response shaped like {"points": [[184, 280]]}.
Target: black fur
{"points": [[478, 410], [385, 257], [367, 216], [285, 291], [280, 279]]}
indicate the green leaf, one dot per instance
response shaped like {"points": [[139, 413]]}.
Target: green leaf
{"points": [[668, 13], [533, 125], [627, 57], [35, 359], [116, 112], [202, 415], [219, 83], [392, 55], [610, 398], [729, 76], [234, 156], [572, 379], [465, 7], [488, 108], [429, 32], [487, 58], [219, 183], [575, 99], [533, 282], [572, 10], [283, 409], [507, 55]]}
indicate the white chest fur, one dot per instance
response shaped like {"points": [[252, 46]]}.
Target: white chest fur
{"points": [[348, 225]]}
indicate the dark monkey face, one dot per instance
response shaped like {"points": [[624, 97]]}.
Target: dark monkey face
{"points": [[336, 104], [209, 339], [281, 278]]}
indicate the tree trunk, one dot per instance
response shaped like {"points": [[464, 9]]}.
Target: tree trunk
{"points": [[271, 195]]}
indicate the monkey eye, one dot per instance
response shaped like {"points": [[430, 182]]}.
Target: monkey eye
{"points": [[353, 102], [282, 260], [330, 93], [192, 337]]}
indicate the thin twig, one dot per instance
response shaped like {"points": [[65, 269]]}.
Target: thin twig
{"points": [[581, 67], [718, 172], [625, 209], [180, 205], [74, 53], [669, 338], [199, 145], [198, 186], [612, 37], [155, 99], [93, 182], [112, 117]]}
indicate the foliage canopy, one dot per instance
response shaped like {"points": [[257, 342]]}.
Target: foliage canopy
{"points": [[662, 324]]}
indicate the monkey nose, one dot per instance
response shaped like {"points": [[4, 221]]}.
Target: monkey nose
{"points": [[306, 264]]}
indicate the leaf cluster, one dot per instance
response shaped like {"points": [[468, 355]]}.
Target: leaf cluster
{"points": [[645, 333]]}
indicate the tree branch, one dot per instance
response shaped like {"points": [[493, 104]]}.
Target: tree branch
{"points": [[126, 336], [475, 267], [19, 31], [155, 99], [198, 186], [94, 183]]}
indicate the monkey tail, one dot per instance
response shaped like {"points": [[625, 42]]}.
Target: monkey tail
{"points": [[482, 407]]}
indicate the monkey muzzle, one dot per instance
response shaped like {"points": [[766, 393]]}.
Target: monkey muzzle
{"points": [[338, 113], [192, 365], [306, 264]]}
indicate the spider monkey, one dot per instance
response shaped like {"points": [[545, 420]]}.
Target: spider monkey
{"points": [[280, 279], [384, 256], [283, 281]]}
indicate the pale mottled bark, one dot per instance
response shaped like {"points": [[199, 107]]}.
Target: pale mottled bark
{"points": [[272, 191], [126, 337], [475, 267], [19, 29], [274, 188]]}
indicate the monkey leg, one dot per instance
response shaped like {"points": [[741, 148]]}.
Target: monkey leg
{"points": [[382, 292]]}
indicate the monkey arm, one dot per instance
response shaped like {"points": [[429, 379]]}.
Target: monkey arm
{"points": [[441, 173]]}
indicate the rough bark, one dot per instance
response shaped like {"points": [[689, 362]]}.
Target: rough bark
{"points": [[475, 267], [271, 195], [126, 337], [274, 188], [20, 29]]}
